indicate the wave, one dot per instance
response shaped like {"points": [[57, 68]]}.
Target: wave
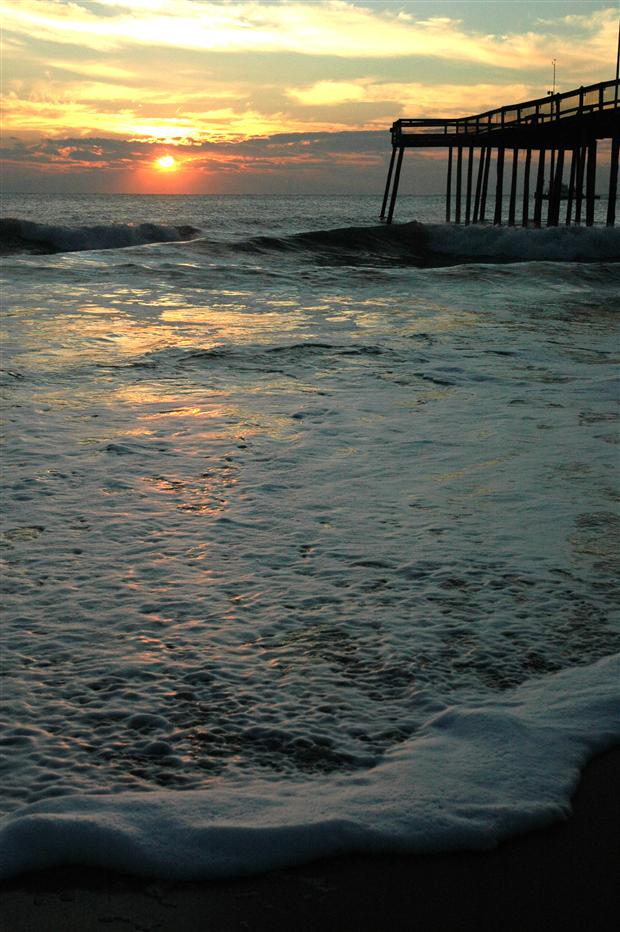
{"points": [[43, 239], [414, 244], [473, 776], [258, 357], [441, 244], [404, 244], [552, 244]]}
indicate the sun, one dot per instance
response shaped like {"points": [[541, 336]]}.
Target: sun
{"points": [[166, 162]]}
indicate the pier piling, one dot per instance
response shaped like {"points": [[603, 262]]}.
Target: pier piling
{"points": [[485, 184], [571, 186], [540, 184], [499, 186], [526, 187], [478, 192], [613, 182], [591, 183], [513, 188], [470, 166], [399, 165], [387, 186], [449, 186], [555, 190], [459, 170]]}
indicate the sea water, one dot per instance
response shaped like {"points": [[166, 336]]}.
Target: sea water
{"points": [[309, 529]]}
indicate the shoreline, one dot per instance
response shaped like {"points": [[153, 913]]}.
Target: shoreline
{"points": [[564, 877]]}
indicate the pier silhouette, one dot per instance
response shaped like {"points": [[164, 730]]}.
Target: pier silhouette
{"points": [[557, 129]]}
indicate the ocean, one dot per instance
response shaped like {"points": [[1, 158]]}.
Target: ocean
{"points": [[309, 533]]}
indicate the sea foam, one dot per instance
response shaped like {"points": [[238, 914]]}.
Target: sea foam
{"points": [[473, 776]]}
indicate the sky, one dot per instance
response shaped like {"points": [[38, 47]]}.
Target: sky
{"points": [[252, 96]]}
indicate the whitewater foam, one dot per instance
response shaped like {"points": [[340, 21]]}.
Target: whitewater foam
{"points": [[473, 776], [552, 244]]}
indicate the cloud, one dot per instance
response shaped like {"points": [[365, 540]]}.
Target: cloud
{"points": [[328, 92], [104, 83], [266, 152], [177, 68], [328, 28], [414, 98]]}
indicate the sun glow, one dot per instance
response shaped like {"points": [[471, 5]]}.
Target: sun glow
{"points": [[166, 163]]}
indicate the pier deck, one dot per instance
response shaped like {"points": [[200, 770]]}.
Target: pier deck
{"points": [[560, 128]]}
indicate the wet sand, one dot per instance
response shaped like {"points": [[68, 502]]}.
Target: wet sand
{"points": [[566, 877]]}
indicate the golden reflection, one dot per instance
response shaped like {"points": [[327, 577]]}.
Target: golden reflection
{"points": [[98, 334], [97, 309], [180, 412], [145, 393], [205, 494], [138, 432], [232, 324], [444, 320], [429, 317], [235, 422]]}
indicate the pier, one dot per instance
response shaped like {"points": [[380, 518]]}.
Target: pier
{"points": [[552, 145]]}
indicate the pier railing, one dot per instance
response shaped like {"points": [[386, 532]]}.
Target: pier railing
{"points": [[596, 98]]}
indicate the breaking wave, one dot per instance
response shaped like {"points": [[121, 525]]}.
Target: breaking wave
{"points": [[406, 244], [42, 238], [439, 244]]}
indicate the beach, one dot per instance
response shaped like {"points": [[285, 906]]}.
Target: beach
{"points": [[564, 877]]}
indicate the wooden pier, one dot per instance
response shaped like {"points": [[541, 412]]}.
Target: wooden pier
{"points": [[560, 130]]}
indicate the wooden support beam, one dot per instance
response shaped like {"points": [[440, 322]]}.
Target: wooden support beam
{"points": [[590, 183], [399, 164], [571, 185], [459, 170], [499, 186], [559, 185], [481, 159], [387, 184], [551, 175], [555, 190], [470, 166], [449, 186], [581, 161], [613, 182], [513, 188], [540, 182], [485, 183], [526, 187]]}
